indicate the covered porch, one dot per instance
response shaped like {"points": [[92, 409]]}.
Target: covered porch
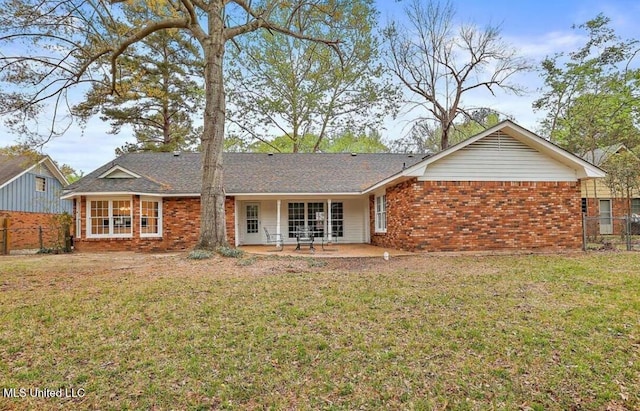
{"points": [[336, 250], [341, 219]]}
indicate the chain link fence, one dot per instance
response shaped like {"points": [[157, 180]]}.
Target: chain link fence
{"points": [[611, 233]]}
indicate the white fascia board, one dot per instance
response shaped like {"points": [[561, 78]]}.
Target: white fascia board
{"points": [[395, 179], [590, 172], [51, 166], [125, 193], [417, 171], [118, 168], [291, 195], [252, 195]]}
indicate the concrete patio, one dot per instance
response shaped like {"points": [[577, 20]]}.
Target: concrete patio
{"points": [[335, 250]]}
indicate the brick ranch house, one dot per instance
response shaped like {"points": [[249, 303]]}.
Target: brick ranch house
{"points": [[504, 189], [30, 190]]}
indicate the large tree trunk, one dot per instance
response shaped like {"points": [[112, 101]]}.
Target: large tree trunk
{"points": [[444, 139], [445, 125], [212, 217]]}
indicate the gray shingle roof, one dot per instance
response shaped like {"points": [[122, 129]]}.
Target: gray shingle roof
{"points": [[165, 173], [600, 155], [11, 166]]}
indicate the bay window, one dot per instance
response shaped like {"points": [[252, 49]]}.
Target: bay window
{"points": [[109, 218]]}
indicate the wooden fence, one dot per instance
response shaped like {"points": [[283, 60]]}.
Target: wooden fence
{"points": [[4, 236]]}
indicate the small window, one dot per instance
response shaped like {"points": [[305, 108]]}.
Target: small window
{"points": [[41, 184], [635, 206], [381, 214], [253, 218], [150, 218], [584, 206]]}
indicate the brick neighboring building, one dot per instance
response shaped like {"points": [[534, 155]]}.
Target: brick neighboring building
{"points": [[30, 190], [599, 201], [504, 189]]}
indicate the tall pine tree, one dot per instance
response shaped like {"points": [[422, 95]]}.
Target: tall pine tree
{"points": [[160, 92]]}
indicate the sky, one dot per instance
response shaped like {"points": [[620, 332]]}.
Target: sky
{"points": [[537, 28]]}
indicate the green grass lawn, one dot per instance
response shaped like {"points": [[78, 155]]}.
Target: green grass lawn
{"points": [[506, 332]]}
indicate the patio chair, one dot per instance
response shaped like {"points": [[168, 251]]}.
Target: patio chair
{"points": [[275, 239], [326, 241], [304, 236]]}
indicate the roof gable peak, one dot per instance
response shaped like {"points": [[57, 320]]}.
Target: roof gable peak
{"points": [[118, 171]]}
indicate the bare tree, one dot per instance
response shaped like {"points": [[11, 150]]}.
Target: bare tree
{"points": [[50, 47], [439, 63], [280, 86]]}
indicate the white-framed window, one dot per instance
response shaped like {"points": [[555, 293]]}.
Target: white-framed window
{"points": [[381, 214], [313, 216], [109, 217], [78, 217], [310, 215], [41, 184], [296, 218], [150, 217], [337, 219]]}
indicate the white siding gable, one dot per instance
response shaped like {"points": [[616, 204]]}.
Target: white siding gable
{"points": [[42, 171], [498, 157], [118, 174]]}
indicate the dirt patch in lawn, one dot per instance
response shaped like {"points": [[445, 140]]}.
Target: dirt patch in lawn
{"points": [[178, 263], [155, 264]]}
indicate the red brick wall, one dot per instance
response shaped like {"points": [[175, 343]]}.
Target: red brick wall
{"points": [[24, 230], [230, 219], [180, 228], [465, 216], [619, 208]]}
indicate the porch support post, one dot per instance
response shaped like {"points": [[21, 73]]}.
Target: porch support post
{"points": [[236, 220], [329, 220], [278, 203]]}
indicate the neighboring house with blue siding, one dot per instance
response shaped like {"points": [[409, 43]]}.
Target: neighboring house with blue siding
{"points": [[30, 190]]}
